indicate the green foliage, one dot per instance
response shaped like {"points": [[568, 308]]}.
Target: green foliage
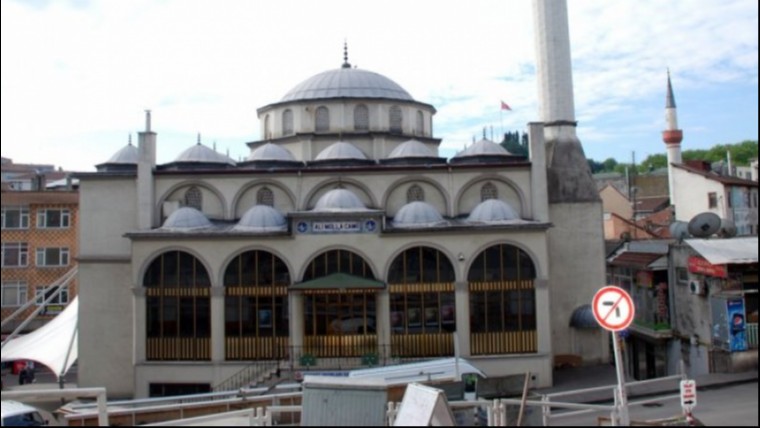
{"points": [[515, 143], [741, 154]]}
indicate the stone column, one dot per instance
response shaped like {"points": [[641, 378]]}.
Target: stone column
{"points": [[217, 325]]}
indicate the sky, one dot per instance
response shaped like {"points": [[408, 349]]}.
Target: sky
{"points": [[78, 75]]}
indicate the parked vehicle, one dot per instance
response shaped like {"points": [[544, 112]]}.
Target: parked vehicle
{"points": [[18, 414]]}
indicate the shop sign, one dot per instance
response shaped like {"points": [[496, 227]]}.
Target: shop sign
{"points": [[644, 278], [339, 226], [702, 266]]}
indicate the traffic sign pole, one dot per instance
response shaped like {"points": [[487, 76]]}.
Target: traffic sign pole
{"points": [[623, 396], [613, 310]]}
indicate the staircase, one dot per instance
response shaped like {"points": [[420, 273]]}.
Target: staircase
{"points": [[250, 376]]}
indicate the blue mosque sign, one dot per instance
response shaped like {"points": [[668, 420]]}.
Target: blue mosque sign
{"points": [[339, 226]]}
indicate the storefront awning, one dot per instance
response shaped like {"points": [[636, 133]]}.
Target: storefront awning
{"points": [[583, 317], [643, 261], [339, 281], [726, 251]]}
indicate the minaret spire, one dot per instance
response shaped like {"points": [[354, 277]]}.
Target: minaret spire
{"points": [[672, 137], [346, 64]]}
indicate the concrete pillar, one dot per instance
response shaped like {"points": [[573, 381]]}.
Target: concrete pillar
{"points": [[462, 301], [218, 353], [140, 329], [383, 324], [295, 306]]}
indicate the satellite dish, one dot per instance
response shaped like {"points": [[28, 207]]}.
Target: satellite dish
{"points": [[679, 230], [727, 228], [704, 225]]}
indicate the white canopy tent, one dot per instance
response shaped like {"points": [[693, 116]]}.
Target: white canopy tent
{"points": [[53, 345]]}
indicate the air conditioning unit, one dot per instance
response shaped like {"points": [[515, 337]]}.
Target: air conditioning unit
{"points": [[698, 287]]}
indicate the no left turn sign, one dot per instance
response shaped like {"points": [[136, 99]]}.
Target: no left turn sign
{"points": [[613, 308]]}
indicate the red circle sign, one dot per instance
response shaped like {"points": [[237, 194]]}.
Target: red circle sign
{"points": [[613, 308]]}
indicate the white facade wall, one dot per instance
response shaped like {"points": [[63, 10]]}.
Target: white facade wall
{"points": [[692, 195]]}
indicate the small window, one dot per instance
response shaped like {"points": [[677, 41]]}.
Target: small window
{"points": [[61, 299], [322, 119], [13, 294], [420, 123], [488, 191], [267, 131], [712, 200], [395, 120], [682, 275], [15, 254], [361, 118], [53, 219], [52, 257], [287, 122], [265, 196], [194, 198], [415, 193], [15, 217]]}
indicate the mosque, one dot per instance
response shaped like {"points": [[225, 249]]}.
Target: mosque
{"points": [[344, 239]]}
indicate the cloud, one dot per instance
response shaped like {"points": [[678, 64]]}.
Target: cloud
{"points": [[77, 76]]}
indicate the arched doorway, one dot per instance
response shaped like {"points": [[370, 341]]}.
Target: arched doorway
{"points": [[502, 302], [339, 306], [256, 321], [423, 311], [178, 308]]}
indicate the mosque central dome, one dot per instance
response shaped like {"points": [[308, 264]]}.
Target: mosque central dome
{"points": [[347, 82]]}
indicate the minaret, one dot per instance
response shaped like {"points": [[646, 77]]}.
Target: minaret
{"points": [[672, 136], [569, 177], [575, 242]]}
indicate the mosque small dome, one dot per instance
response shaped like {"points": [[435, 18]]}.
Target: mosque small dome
{"points": [[418, 214], [339, 200], [492, 211], [186, 218], [127, 155], [347, 82], [341, 150], [261, 218], [411, 149], [202, 154], [271, 152], [484, 147]]}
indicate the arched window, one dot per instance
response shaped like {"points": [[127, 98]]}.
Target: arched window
{"points": [[361, 118], [177, 298], [287, 122], [395, 120], [421, 285], [265, 196], [322, 120], [267, 130], [256, 307], [420, 123], [488, 191], [415, 193], [194, 198], [502, 302], [340, 320]]}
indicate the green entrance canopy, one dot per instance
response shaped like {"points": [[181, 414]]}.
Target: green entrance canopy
{"points": [[339, 281]]}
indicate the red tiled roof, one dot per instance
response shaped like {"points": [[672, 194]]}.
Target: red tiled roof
{"points": [[734, 181]]}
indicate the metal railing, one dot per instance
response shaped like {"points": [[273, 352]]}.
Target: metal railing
{"points": [[752, 335], [250, 376]]}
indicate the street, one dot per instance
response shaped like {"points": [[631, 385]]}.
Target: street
{"points": [[727, 406]]}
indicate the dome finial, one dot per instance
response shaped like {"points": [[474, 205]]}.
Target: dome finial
{"points": [[346, 64], [129, 139], [199, 138]]}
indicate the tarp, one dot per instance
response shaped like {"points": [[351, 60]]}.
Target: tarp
{"points": [[50, 344], [444, 369], [726, 251]]}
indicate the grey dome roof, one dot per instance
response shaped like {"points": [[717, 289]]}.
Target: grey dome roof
{"points": [[186, 218], [203, 154], [341, 150], [492, 211], [418, 214], [127, 155], [339, 200], [347, 83], [411, 149], [261, 218], [484, 147], [271, 152]]}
